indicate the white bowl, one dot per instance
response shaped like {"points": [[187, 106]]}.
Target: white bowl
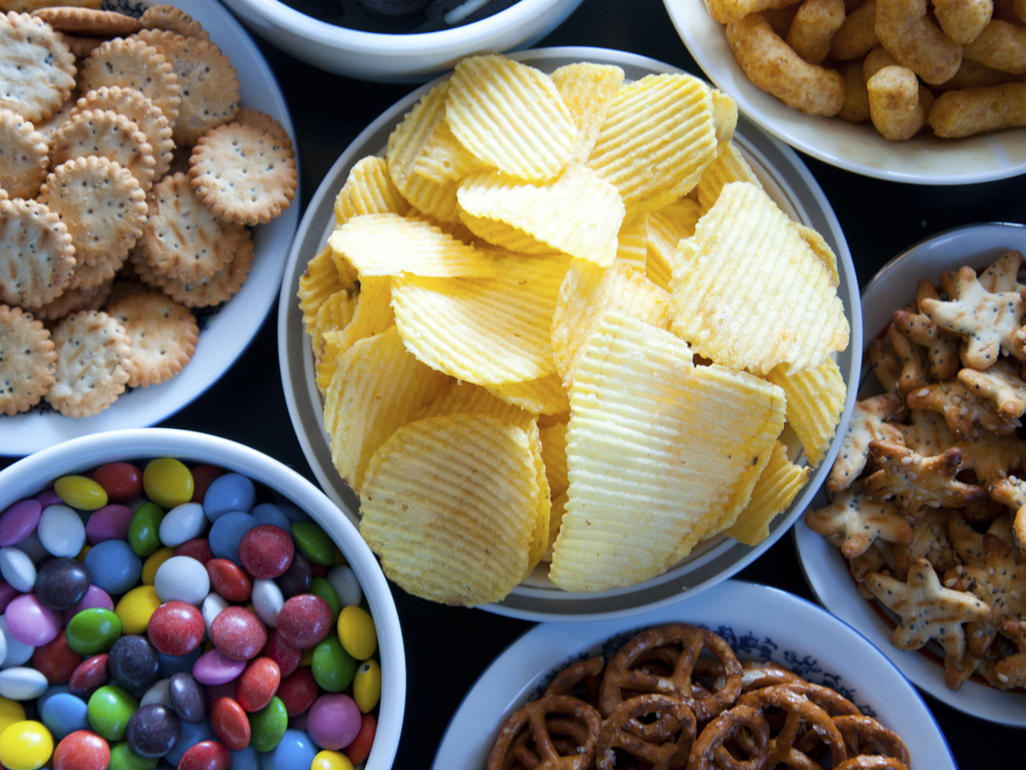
{"points": [[825, 569], [761, 623], [399, 58], [786, 180], [858, 147], [35, 473], [227, 332]]}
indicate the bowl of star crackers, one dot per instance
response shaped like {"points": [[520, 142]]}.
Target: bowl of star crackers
{"points": [[919, 542], [139, 237], [513, 387]]}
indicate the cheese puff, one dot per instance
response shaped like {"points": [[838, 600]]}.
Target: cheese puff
{"points": [[856, 96], [727, 11], [774, 67], [857, 35], [813, 28], [971, 111], [911, 37], [973, 75], [1001, 45], [896, 103], [875, 61], [780, 18], [963, 20]]}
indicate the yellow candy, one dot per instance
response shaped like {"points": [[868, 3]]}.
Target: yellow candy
{"points": [[82, 554], [356, 632], [135, 608], [80, 492], [331, 760], [25, 745], [367, 685], [168, 482], [153, 562], [10, 712]]}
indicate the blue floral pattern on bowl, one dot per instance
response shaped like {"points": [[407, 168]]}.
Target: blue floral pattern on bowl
{"points": [[128, 7]]}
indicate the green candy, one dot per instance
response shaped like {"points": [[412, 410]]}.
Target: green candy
{"points": [[143, 530], [333, 668], [268, 725], [123, 758], [322, 588], [109, 710], [314, 543], [92, 631]]}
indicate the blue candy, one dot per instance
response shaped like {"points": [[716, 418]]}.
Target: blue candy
{"points": [[226, 534], [230, 492], [176, 664], [269, 513], [65, 713], [295, 752], [54, 689], [191, 734], [113, 566], [247, 759]]}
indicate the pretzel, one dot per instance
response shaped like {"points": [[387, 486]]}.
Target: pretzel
{"points": [[585, 674], [863, 734], [756, 675], [534, 718], [709, 752], [864, 762], [803, 717], [670, 753]]}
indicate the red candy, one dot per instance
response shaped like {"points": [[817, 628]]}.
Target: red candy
{"points": [[121, 481], [228, 579], [56, 660], [206, 755], [238, 633], [358, 750], [176, 628], [230, 724], [298, 691], [304, 621], [285, 655], [90, 675], [198, 548], [266, 551], [258, 684], [202, 476], [81, 750]]}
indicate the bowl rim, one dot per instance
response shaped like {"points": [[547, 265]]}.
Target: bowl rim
{"points": [[415, 44], [28, 475]]}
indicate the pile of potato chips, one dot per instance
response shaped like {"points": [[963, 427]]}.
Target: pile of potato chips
{"points": [[561, 320]]}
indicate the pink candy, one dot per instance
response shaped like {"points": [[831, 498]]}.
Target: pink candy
{"points": [[30, 622], [333, 721], [19, 521]]}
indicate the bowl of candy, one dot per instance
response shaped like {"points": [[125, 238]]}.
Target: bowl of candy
{"points": [[399, 40], [174, 596]]}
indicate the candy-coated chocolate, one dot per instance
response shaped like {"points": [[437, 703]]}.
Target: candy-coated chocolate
{"points": [[22, 683], [17, 569], [18, 520], [230, 724], [367, 685], [213, 606], [331, 760], [167, 482], [136, 607], [298, 691], [121, 481], [61, 583], [296, 579], [228, 579], [56, 660], [266, 551], [269, 513], [322, 588], [334, 721], [111, 522], [113, 566], [153, 562], [174, 664], [284, 655], [313, 542], [144, 529], [188, 698], [54, 689], [198, 548], [230, 492], [304, 620], [81, 750], [160, 692], [25, 745], [333, 668], [32, 622], [61, 532], [95, 597], [192, 733], [33, 548], [64, 714], [110, 708], [267, 601], [17, 653], [176, 628], [295, 751], [268, 725], [80, 492], [227, 532], [153, 730], [91, 674], [247, 759], [344, 581], [7, 593], [357, 633], [203, 476], [258, 684], [133, 664], [360, 748], [182, 523], [123, 758], [213, 667], [93, 630], [206, 755], [183, 579], [238, 633], [11, 711]]}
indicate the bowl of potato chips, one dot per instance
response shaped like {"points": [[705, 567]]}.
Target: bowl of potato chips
{"points": [[511, 389]]}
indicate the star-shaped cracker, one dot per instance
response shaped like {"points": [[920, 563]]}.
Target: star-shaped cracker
{"points": [[1001, 385], [968, 543], [918, 481], [884, 363], [1011, 671], [927, 609], [941, 350], [868, 423], [930, 540], [1003, 274], [927, 432], [992, 457], [989, 320], [960, 408], [853, 522], [913, 364], [1012, 492]]}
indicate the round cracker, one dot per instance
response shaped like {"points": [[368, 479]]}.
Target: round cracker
{"points": [[139, 109], [245, 171], [92, 353], [133, 64], [89, 21], [100, 203], [168, 17], [163, 334], [88, 276], [73, 300], [36, 67], [24, 156], [27, 360], [36, 253], [108, 135]]}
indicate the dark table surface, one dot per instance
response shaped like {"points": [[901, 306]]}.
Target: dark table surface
{"points": [[448, 648]]}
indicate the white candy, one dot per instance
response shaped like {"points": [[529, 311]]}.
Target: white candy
{"points": [[181, 523], [16, 652], [22, 683], [344, 581], [17, 569], [213, 606], [159, 693], [61, 531], [267, 601], [183, 579]]}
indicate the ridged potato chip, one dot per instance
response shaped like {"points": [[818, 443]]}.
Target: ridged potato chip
{"points": [[319, 281], [632, 243], [466, 398], [542, 396], [553, 440], [666, 227], [749, 292], [450, 505], [815, 400], [443, 158], [730, 166], [587, 91], [371, 315], [657, 449], [778, 484], [368, 190]]}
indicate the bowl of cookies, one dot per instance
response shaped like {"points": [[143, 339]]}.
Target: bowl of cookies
{"points": [[133, 276], [521, 384], [932, 468], [402, 41], [724, 664], [892, 91]]}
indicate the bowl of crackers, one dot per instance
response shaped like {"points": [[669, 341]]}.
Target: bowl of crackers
{"points": [[898, 91], [919, 542], [399, 40], [139, 245], [453, 348]]}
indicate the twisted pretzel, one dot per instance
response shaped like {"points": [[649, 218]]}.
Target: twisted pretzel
{"points": [[585, 673], [536, 718], [802, 717], [672, 753], [866, 762], [709, 752], [756, 675], [862, 734]]}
